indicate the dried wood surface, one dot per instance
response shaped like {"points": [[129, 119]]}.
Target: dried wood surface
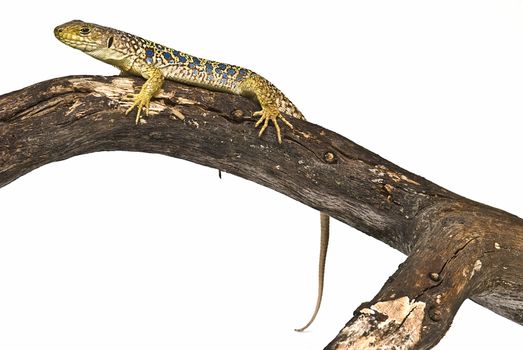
{"points": [[457, 248]]}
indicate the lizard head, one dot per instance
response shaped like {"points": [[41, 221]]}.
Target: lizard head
{"points": [[100, 42]]}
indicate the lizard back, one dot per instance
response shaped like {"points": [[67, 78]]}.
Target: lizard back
{"points": [[133, 54]]}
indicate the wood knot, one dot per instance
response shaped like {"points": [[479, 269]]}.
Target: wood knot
{"points": [[435, 276], [237, 113], [435, 313], [330, 157]]}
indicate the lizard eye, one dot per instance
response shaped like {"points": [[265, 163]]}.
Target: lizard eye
{"points": [[110, 42], [85, 30]]}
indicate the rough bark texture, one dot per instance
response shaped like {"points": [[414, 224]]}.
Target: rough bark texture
{"points": [[457, 248]]}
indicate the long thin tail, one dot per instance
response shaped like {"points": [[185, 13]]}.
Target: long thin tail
{"points": [[324, 221]]}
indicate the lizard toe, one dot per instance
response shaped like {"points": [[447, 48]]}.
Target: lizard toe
{"points": [[271, 114]]}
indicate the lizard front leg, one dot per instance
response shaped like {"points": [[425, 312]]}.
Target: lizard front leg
{"points": [[153, 83]]}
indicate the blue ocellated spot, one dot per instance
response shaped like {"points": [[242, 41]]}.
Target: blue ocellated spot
{"points": [[239, 77], [191, 65], [182, 59], [231, 71], [242, 71], [221, 66], [171, 62], [149, 60], [195, 72], [196, 61], [167, 55], [208, 67], [149, 52], [176, 53], [224, 76]]}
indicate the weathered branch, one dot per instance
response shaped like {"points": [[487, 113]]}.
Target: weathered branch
{"points": [[458, 255], [457, 248]]}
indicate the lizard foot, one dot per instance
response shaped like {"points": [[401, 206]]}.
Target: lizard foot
{"points": [[270, 113], [141, 100]]}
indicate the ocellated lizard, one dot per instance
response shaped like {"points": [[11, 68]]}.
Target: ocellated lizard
{"points": [[155, 62]]}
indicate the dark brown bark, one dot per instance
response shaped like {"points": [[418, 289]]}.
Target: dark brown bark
{"points": [[457, 248]]}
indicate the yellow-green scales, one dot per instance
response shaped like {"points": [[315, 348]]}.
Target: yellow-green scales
{"points": [[134, 55]]}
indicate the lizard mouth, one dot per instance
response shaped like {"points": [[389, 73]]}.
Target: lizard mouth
{"points": [[74, 41], [80, 45]]}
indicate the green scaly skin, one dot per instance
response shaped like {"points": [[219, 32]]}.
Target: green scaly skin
{"points": [[155, 62]]}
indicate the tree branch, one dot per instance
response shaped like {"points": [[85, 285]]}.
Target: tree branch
{"points": [[457, 248]]}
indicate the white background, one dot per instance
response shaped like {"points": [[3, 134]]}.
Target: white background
{"points": [[139, 251]]}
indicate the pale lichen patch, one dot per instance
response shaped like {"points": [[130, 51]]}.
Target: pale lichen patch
{"points": [[176, 113], [73, 107], [185, 101], [477, 268], [404, 178], [400, 329], [194, 123], [497, 246], [367, 311], [169, 94], [477, 265], [396, 309], [305, 135], [118, 88], [465, 272], [119, 91], [381, 170]]}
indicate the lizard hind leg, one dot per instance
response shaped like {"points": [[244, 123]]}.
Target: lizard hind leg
{"points": [[272, 101], [270, 113]]}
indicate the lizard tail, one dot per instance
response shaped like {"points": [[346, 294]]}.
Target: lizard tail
{"points": [[324, 221]]}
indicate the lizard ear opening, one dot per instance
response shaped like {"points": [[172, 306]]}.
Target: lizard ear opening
{"points": [[110, 42]]}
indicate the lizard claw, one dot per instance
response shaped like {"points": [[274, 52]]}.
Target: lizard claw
{"points": [[140, 101], [272, 114]]}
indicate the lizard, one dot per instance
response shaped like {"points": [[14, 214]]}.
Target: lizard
{"points": [[137, 56]]}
